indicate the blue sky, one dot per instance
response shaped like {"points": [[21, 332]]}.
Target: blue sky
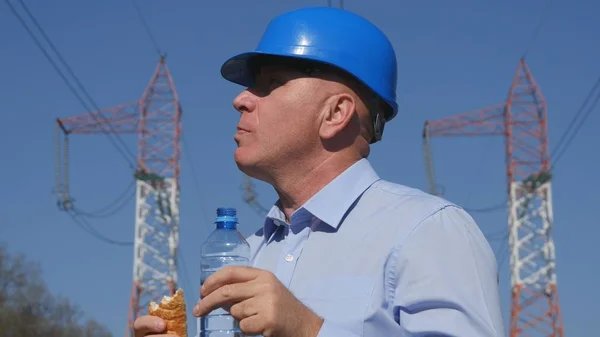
{"points": [[453, 56]]}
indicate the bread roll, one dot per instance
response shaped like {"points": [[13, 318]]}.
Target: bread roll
{"points": [[172, 311]]}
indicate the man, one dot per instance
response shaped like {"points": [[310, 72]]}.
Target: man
{"points": [[343, 252]]}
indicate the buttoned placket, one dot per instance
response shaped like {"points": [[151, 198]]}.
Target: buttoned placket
{"points": [[291, 252]]}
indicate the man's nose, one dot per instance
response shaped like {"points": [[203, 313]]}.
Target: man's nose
{"points": [[245, 102]]}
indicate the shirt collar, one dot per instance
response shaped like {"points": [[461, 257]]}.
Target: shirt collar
{"points": [[332, 202]]}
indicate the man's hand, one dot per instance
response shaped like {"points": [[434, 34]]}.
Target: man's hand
{"points": [[149, 326], [261, 303]]}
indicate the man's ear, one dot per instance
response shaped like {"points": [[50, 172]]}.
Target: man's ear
{"points": [[337, 113]]}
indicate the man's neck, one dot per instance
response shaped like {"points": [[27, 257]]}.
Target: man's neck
{"points": [[295, 190]]}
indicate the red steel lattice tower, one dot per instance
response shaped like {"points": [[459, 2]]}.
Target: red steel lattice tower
{"points": [[522, 121], [156, 119]]}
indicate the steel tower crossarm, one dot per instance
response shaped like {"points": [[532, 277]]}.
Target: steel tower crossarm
{"points": [[121, 119], [488, 121]]}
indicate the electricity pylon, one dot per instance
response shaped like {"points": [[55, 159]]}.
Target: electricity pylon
{"points": [[522, 121], [156, 119]]}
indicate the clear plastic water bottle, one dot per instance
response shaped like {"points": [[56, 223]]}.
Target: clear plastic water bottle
{"points": [[225, 246]]}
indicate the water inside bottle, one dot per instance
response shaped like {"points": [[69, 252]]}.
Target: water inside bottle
{"points": [[219, 323]]}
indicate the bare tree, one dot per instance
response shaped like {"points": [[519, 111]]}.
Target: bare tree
{"points": [[28, 309]]}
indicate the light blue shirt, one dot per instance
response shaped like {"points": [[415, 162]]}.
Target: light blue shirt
{"points": [[378, 259]]}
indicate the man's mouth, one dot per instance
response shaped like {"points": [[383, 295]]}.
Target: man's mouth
{"points": [[242, 129]]}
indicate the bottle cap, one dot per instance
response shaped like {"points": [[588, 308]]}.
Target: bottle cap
{"points": [[226, 211], [226, 214]]}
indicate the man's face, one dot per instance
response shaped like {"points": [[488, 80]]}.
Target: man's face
{"points": [[279, 120]]}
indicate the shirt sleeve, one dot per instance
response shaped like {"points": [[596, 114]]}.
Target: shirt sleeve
{"points": [[446, 281], [329, 329]]}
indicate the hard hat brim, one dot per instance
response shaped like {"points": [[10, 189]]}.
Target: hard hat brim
{"points": [[240, 69], [237, 69]]}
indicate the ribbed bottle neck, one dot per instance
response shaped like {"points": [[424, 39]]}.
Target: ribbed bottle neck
{"points": [[226, 225]]}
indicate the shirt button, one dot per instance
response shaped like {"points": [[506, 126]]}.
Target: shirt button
{"points": [[289, 257]]}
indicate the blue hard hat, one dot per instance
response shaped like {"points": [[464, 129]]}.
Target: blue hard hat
{"points": [[327, 35]]}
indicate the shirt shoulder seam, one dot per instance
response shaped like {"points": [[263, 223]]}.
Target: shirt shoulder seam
{"points": [[392, 280]]}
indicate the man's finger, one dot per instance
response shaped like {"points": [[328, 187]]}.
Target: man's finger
{"points": [[227, 294], [253, 325], [245, 309], [148, 325], [228, 275]]}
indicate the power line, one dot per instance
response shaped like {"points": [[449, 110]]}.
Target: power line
{"points": [[536, 32], [504, 251], [194, 175], [186, 276], [498, 235], [330, 4], [126, 193], [83, 224], [104, 212], [71, 72], [80, 222], [146, 27], [561, 150], [564, 142], [488, 209], [480, 167]]}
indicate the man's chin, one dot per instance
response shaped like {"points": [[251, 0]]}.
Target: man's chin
{"points": [[249, 168], [243, 163]]}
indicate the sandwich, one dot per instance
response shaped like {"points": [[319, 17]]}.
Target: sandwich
{"points": [[172, 310]]}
